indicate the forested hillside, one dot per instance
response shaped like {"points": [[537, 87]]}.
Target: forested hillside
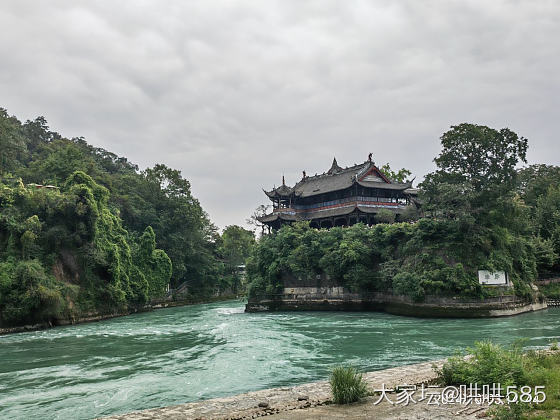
{"points": [[83, 230], [479, 212]]}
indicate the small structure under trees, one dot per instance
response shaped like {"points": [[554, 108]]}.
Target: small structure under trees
{"points": [[340, 197]]}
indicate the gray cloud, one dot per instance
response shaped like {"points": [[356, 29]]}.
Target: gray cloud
{"points": [[236, 93]]}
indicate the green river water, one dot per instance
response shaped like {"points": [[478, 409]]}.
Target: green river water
{"points": [[176, 355]]}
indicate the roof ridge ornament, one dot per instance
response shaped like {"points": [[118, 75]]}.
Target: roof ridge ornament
{"points": [[334, 168]]}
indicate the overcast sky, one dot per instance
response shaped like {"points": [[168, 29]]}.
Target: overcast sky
{"points": [[237, 93]]}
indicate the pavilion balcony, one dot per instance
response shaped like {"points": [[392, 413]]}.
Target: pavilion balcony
{"points": [[284, 210], [361, 200]]}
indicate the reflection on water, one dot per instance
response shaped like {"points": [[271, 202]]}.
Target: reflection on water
{"points": [[176, 355]]}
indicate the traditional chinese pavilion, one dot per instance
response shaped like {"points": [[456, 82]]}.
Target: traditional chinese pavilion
{"points": [[339, 197]]}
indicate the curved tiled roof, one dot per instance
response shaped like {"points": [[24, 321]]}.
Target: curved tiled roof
{"points": [[323, 183], [278, 215], [281, 191], [385, 186], [339, 179], [337, 211]]}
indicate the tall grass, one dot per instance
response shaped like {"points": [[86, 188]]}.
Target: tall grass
{"points": [[488, 363], [347, 385], [491, 363]]}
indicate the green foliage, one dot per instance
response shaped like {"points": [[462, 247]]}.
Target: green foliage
{"points": [[551, 291], [547, 214], [535, 180], [475, 172], [538, 188], [12, 143], [488, 363], [407, 283], [399, 176], [410, 214], [547, 229], [161, 198], [75, 235], [154, 266], [476, 220], [508, 412], [430, 257], [27, 293], [235, 245], [480, 156], [385, 216], [90, 245], [158, 197], [347, 385], [545, 370]]}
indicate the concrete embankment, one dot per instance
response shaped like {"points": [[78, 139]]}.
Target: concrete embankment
{"points": [[95, 317], [432, 306], [59, 322], [282, 400]]}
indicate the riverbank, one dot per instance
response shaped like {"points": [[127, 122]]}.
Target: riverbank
{"points": [[314, 401], [422, 386], [96, 317], [337, 299], [284, 400]]}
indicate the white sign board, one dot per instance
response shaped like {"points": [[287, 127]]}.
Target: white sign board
{"points": [[492, 278]]}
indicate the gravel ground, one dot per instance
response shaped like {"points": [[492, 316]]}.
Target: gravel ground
{"points": [[366, 409]]}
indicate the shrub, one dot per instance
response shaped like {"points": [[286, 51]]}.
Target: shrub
{"points": [[509, 412], [430, 257], [489, 363], [385, 216], [28, 293], [347, 385]]}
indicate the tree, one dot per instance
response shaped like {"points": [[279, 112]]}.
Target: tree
{"points": [[476, 167], [259, 212], [11, 141], [183, 228], [237, 243], [400, 176], [37, 133], [235, 247], [153, 264], [385, 216], [87, 236], [534, 181], [481, 156], [55, 161]]}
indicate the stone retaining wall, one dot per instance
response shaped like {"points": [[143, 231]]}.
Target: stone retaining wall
{"points": [[398, 305]]}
